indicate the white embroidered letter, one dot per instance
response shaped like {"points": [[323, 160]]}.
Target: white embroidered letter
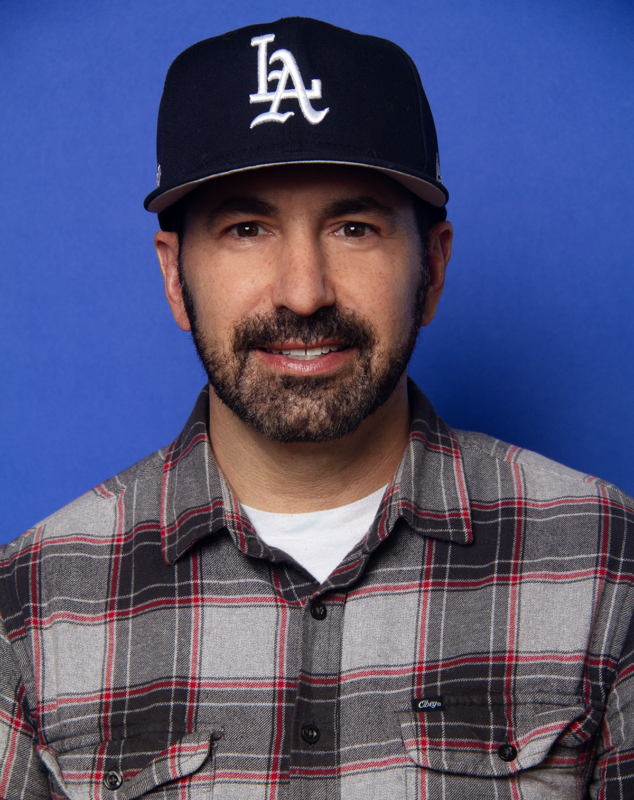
{"points": [[298, 92]]}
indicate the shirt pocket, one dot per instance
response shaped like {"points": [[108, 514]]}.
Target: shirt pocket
{"points": [[131, 768], [485, 736]]}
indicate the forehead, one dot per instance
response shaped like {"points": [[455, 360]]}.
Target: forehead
{"points": [[313, 185]]}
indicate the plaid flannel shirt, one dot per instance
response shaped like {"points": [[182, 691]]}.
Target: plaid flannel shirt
{"points": [[477, 643]]}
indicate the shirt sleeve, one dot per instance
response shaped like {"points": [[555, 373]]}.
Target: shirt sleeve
{"points": [[22, 774], [614, 770]]}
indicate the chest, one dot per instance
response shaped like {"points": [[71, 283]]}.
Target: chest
{"points": [[210, 674]]}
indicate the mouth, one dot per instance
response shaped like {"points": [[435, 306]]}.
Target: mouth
{"points": [[306, 353]]}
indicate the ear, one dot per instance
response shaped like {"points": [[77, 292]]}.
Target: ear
{"points": [[438, 255], [166, 244]]}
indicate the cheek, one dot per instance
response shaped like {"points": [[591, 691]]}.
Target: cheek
{"points": [[234, 281], [223, 298], [401, 311], [388, 300]]}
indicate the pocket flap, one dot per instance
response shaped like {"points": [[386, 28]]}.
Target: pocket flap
{"points": [[471, 735], [80, 773]]}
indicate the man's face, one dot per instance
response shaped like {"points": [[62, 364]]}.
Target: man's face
{"points": [[303, 290]]}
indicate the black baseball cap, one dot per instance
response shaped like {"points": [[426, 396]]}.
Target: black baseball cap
{"points": [[294, 90]]}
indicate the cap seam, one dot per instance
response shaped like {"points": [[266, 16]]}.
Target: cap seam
{"points": [[418, 84]]}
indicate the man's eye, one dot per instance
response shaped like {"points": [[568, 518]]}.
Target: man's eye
{"points": [[246, 229], [354, 230]]}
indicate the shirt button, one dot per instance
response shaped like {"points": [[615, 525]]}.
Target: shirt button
{"points": [[112, 780], [310, 734], [507, 752], [318, 610]]}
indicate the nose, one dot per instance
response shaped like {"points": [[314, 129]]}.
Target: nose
{"points": [[302, 280]]}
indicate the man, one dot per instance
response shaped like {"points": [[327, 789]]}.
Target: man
{"points": [[318, 590]]}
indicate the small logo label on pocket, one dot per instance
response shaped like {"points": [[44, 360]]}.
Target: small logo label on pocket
{"points": [[423, 704]]}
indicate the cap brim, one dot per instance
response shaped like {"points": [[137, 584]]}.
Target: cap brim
{"points": [[431, 192]]}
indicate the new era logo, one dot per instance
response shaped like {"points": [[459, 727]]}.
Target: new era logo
{"points": [[290, 71]]}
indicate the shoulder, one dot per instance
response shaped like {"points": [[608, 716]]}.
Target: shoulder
{"points": [[487, 460], [92, 516], [63, 561]]}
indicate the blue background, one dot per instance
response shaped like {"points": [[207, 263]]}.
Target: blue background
{"points": [[534, 340]]}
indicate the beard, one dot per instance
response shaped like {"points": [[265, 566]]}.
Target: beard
{"points": [[299, 408]]}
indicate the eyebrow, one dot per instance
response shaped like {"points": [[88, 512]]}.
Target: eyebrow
{"points": [[246, 204], [255, 206], [357, 205]]}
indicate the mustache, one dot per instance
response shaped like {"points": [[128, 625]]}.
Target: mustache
{"points": [[261, 331]]}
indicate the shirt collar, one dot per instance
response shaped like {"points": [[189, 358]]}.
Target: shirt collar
{"points": [[430, 480], [194, 493], [429, 488]]}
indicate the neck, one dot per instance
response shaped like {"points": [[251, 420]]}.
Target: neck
{"points": [[306, 476]]}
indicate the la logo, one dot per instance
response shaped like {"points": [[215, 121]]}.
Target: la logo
{"points": [[289, 70]]}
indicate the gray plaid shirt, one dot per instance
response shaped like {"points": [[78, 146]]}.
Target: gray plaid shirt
{"points": [[478, 642]]}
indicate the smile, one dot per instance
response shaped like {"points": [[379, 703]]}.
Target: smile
{"points": [[308, 353]]}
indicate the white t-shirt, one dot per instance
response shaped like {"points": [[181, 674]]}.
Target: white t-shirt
{"points": [[318, 540]]}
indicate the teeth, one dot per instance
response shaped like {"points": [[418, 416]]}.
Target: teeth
{"points": [[309, 353]]}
